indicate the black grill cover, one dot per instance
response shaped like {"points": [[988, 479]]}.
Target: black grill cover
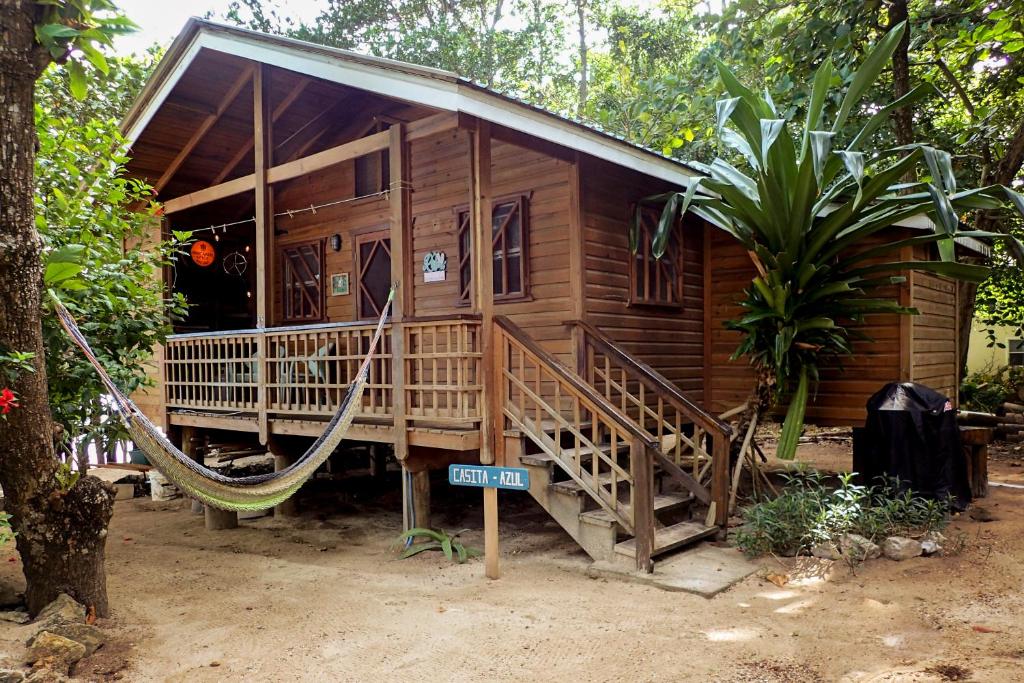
{"points": [[911, 433]]}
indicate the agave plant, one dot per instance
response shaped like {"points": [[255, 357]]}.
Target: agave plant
{"points": [[449, 544], [804, 208]]}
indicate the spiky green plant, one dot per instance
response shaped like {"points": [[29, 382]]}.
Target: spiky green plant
{"points": [[805, 207], [448, 544]]}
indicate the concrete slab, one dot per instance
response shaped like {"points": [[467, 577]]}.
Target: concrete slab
{"points": [[704, 570]]}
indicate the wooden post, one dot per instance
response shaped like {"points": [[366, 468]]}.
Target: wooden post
{"points": [[491, 565], [421, 498], [720, 481], [189, 446], [263, 150], [217, 519], [483, 278], [282, 459], [401, 274], [643, 504]]}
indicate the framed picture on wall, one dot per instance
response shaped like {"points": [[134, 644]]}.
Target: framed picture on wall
{"points": [[339, 284]]}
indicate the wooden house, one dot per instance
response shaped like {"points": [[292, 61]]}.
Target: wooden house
{"points": [[314, 178]]}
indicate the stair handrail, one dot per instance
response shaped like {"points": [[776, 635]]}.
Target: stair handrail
{"points": [[703, 419], [611, 410]]}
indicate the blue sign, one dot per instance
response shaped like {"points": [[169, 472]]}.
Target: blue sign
{"points": [[482, 476]]}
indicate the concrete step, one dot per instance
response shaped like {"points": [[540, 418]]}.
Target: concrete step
{"points": [[669, 538]]}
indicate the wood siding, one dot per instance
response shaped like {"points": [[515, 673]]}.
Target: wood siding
{"points": [[669, 340], [846, 385]]}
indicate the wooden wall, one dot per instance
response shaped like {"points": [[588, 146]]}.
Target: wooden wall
{"points": [[934, 358], [441, 184], [669, 340], [921, 348]]}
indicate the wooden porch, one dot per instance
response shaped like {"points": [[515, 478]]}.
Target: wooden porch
{"points": [[291, 380]]}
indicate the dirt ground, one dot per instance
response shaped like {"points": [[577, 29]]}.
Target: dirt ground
{"points": [[324, 598]]}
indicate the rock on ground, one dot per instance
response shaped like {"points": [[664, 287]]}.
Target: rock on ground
{"points": [[900, 548], [16, 616], [89, 636], [857, 548], [54, 652], [63, 610], [11, 676], [826, 550]]}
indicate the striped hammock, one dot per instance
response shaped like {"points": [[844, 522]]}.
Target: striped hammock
{"points": [[256, 492]]}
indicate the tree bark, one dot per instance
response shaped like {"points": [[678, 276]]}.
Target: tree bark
{"points": [[581, 9], [60, 533]]}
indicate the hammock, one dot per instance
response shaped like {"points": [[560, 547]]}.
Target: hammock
{"points": [[256, 492]]}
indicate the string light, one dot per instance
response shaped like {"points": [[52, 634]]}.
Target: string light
{"points": [[312, 208]]}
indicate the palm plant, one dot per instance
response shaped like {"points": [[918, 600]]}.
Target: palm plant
{"points": [[805, 209]]}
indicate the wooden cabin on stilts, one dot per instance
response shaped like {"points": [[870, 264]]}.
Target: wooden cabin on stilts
{"points": [[524, 331]]}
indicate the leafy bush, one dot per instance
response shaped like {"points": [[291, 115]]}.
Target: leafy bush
{"points": [[809, 511], [436, 540], [987, 390]]}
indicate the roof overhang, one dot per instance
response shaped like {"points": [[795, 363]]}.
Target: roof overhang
{"points": [[439, 89]]}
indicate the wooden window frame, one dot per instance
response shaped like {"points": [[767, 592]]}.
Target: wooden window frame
{"points": [[661, 267], [284, 265], [465, 257], [373, 235], [466, 285]]}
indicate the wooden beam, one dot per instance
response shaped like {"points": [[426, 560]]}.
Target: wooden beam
{"points": [[263, 135], [431, 125], [483, 288], [329, 157], [279, 111], [210, 194], [401, 253], [205, 126]]}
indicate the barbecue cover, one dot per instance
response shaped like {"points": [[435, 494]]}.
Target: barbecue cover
{"points": [[911, 433]]}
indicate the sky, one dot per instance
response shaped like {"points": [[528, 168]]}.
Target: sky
{"points": [[161, 20]]}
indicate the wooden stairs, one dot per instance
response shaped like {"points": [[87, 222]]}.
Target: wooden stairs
{"points": [[616, 454]]}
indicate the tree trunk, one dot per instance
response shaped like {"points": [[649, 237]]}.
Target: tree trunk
{"points": [[60, 534], [581, 8]]}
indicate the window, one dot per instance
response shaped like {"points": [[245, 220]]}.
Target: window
{"points": [[653, 281], [1016, 348], [373, 260], [373, 171], [509, 238], [302, 291]]}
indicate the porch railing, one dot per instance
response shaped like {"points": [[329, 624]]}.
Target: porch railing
{"points": [[306, 370]]}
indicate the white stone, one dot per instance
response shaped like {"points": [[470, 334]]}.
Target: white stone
{"points": [[857, 548], [900, 548], [826, 550]]}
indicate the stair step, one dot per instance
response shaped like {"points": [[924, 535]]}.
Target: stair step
{"points": [[663, 502], [572, 488], [585, 453], [669, 538]]}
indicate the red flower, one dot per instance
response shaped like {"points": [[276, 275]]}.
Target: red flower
{"points": [[7, 401]]}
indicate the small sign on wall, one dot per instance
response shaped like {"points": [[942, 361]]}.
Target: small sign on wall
{"points": [[339, 284], [435, 265]]}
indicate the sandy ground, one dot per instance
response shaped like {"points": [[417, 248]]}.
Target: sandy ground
{"points": [[323, 598]]}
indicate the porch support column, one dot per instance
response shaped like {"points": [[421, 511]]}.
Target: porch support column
{"points": [[483, 287], [263, 150], [402, 276], [282, 459]]}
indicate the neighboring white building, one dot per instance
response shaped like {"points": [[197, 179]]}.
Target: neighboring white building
{"points": [[981, 356]]}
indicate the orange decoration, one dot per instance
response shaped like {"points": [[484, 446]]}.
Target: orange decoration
{"points": [[203, 253]]}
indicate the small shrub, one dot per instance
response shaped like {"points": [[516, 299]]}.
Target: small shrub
{"points": [[809, 511], [436, 540], [986, 391], [6, 534]]}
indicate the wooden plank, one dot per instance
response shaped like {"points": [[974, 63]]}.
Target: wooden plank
{"points": [[483, 292], [264, 230], [210, 194], [431, 125], [229, 97], [329, 157], [491, 560], [400, 228]]}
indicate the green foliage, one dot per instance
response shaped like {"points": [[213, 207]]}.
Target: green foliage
{"points": [[66, 478], [809, 511], [13, 363], [92, 220], [436, 540], [805, 206], [6, 534], [74, 31], [988, 390]]}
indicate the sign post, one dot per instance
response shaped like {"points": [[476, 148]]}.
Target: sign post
{"points": [[490, 479]]}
